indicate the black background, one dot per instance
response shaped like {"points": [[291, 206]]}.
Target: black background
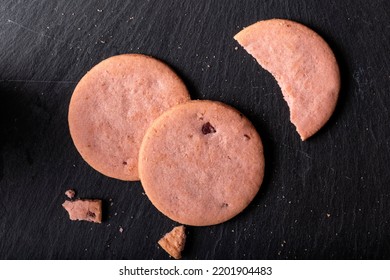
{"points": [[326, 198]]}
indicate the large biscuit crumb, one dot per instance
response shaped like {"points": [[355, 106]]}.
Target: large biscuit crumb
{"points": [[173, 242], [84, 210]]}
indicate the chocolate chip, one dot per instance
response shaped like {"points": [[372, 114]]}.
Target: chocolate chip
{"points": [[91, 214], [224, 205], [208, 128], [124, 162], [247, 136]]}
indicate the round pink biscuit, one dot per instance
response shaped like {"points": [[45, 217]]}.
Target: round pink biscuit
{"points": [[201, 163], [114, 104]]}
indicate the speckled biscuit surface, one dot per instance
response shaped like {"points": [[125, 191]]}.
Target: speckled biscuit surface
{"points": [[201, 163], [114, 104], [303, 65]]}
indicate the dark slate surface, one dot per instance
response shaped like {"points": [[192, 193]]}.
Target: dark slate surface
{"points": [[326, 198]]}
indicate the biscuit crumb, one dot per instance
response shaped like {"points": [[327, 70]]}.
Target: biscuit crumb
{"points": [[70, 193], [173, 242], [89, 210]]}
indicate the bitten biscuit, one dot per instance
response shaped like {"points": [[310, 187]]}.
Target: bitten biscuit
{"points": [[114, 104], [303, 65], [174, 241], [201, 163]]}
